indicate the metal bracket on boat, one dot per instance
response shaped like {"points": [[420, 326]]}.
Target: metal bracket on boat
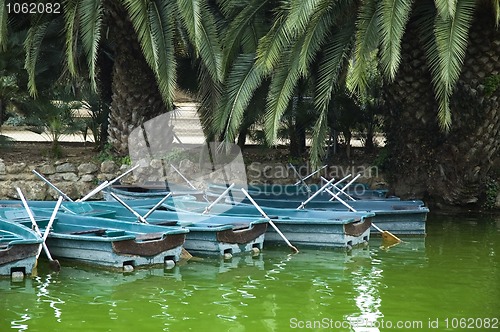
{"points": [[303, 204], [221, 196], [308, 176]]}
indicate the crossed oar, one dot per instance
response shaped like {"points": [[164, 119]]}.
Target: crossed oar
{"points": [[54, 263]]}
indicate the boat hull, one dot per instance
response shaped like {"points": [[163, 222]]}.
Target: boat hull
{"points": [[18, 248]]}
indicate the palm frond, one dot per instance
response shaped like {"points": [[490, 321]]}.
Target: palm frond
{"points": [[91, 13], [32, 47], [71, 30], [367, 40], [239, 29], [394, 17], [446, 8], [272, 45], [315, 34], [154, 24], [335, 53], [300, 14], [321, 132], [496, 10], [243, 79], [284, 81], [451, 43], [200, 25], [3, 25]]}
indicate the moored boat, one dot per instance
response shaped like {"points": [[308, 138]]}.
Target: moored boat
{"points": [[398, 217], [105, 242], [325, 230], [208, 235], [19, 246], [357, 191]]}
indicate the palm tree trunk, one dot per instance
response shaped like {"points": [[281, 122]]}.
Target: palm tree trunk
{"points": [[135, 96], [444, 168]]}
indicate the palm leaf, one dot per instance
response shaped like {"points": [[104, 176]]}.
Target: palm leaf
{"points": [[335, 54], [71, 30], [316, 32], [241, 28], [91, 13], [446, 8], [281, 90], [154, 24], [394, 17], [273, 44], [3, 25], [32, 47], [320, 131], [243, 79], [200, 25], [300, 14], [367, 40], [451, 43], [496, 10]]}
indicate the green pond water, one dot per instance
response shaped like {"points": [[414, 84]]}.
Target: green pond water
{"points": [[448, 281]]}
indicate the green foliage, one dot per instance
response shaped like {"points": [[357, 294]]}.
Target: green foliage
{"points": [[54, 119], [492, 189], [382, 158], [491, 84]]}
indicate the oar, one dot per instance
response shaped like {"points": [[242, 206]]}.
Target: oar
{"points": [[387, 236], [139, 217], [301, 206], [54, 263], [208, 208], [269, 220], [347, 186], [66, 197], [183, 177], [153, 209], [307, 177], [49, 225], [105, 184], [340, 190], [301, 180]]}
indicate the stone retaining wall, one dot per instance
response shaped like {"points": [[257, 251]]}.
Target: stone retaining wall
{"points": [[77, 180]]}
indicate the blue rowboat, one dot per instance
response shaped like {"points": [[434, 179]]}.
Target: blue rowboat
{"points": [[397, 217], [104, 242], [19, 246], [324, 230], [208, 235], [357, 191], [152, 190]]}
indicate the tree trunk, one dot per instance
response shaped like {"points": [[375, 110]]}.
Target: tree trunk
{"points": [[135, 95], [444, 168]]}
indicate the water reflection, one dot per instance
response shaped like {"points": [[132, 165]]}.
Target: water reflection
{"points": [[455, 268]]}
